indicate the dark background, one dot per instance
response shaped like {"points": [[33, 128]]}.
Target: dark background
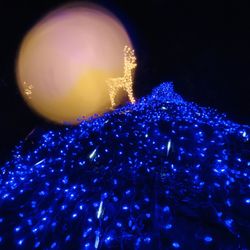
{"points": [[203, 48]]}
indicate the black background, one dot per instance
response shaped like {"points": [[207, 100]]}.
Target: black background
{"points": [[204, 48]]}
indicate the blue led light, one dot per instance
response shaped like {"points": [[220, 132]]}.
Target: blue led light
{"points": [[229, 222], [147, 240], [166, 209], [247, 200], [208, 238], [176, 245], [37, 244], [20, 242], [53, 245], [108, 239], [168, 226], [163, 173], [74, 215], [119, 224], [87, 245], [125, 207]]}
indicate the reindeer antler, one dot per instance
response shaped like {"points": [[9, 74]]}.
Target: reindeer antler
{"points": [[128, 50], [129, 54]]}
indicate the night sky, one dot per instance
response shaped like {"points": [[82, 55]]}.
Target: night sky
{"points": [[204, 49]]}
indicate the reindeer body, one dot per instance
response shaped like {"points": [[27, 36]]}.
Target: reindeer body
{"points": [[126, 81]]}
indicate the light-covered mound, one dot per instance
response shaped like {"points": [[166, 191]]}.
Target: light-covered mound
{"points": [[160, 174]]}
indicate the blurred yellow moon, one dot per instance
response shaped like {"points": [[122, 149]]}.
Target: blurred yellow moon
{"points": [[65, 60]]}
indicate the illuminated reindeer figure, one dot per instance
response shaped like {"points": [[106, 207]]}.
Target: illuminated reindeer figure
{"points": [[126, 81]]}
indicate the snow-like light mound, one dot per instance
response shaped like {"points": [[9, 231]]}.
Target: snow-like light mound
{"points": [[161, 174]]}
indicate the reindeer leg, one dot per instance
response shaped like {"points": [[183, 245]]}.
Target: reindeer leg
{"points": [[130, 94], [112, 97]]}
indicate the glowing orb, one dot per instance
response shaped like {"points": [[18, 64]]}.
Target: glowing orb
{"points": [[65, 60]]}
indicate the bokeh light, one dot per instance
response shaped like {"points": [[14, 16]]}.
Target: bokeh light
{"points": [[65, 60]]}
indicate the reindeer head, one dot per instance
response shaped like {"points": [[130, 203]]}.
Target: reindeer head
{"points": [[129, 57]]}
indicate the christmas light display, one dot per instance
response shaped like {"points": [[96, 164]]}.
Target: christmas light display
{"points": [[162, 173], [126, 81]]}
